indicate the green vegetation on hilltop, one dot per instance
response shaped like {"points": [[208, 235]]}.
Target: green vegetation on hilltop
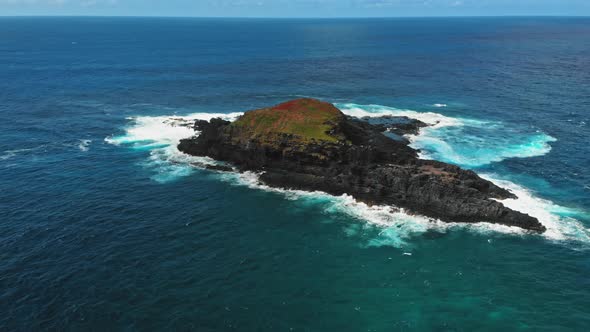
{"points": [[306, 119]]}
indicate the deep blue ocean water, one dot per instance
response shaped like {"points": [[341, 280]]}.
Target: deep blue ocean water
{"points": [[104, 225]]}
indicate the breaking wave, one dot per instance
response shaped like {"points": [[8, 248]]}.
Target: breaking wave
{"points": [[464, 142], [397, 226], [160, 136], [84, 144]]}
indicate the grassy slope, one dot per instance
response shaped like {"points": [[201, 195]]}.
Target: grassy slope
{"points": [[307, 119]]}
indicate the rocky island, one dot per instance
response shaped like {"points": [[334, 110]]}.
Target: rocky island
{"points": [[311, 145]]}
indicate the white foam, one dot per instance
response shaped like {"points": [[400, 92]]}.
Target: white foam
{"points": [[164, 129], [396, 225], [8, 154], [451, 139], [385, 217], [559, 225], [435, 120], [440, 105], [84, 145], [161, 135], [472, 151]]}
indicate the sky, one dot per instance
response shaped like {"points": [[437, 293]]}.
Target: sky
{"points": [[295, 8]]}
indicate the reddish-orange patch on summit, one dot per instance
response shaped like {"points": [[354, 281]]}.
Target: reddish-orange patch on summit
{"points": [[305, 118], [287, 105]]}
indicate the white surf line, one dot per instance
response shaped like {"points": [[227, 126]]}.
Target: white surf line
{"points": [[558, 227], [398, 225], [169, 130]]}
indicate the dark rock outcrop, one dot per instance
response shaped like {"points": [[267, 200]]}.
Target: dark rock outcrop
{"points": [[355, 158]]}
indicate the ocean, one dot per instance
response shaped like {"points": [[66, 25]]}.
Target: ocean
{"points": [[106, 226]]}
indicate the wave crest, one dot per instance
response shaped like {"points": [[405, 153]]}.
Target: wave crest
{"points": [[461, 141], [160, 135]]}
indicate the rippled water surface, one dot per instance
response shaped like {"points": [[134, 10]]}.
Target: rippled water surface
{"points": [[105, 225]]}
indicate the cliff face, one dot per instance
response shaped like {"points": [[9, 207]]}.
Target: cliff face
{"points": [[310, 145]]}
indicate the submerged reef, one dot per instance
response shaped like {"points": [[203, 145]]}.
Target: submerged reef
{"points": [[308, 144]]}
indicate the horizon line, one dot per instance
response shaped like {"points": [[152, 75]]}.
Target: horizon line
{"points": [[294, 17]]}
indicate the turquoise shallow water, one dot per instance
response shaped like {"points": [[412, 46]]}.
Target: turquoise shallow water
{"points": [[106, 226]]}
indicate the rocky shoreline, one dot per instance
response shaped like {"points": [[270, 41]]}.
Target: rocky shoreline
{"points": [[310, 145]]}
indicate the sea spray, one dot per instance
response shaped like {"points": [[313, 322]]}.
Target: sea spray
{"points": [[558, 219], [160, 135], [465, 142], [163, 129]]}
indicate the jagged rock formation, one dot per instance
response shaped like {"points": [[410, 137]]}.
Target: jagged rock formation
{"points": [[311, 145]]}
